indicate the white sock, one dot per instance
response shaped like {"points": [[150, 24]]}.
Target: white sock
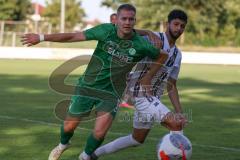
{"points": [[116, 145], [62, 146], [85, 155]]}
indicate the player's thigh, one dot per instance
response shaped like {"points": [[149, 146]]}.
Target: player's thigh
{"points": [[148, 111], [106, 112], [80, 106], [151, 108], [143, 118], [71, 123], [102, 124], [108, 106]]}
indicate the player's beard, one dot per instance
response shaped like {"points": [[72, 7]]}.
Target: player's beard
{"points": [[175, 37]]}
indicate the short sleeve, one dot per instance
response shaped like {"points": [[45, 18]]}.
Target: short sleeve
{"points": [[149, 49], [152, 51], [98, 32]]}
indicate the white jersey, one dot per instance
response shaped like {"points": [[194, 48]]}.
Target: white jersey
{"points": [[170, 68]]}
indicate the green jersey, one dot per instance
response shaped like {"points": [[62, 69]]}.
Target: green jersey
{"points": [[113, 58]]}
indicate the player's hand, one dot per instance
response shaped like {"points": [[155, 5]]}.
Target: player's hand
{"points": [[30, 39], [181, 118], [155, 40], [174, 121]]}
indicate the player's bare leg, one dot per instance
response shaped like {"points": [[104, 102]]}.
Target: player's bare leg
{"points": [[67, 131], [102, 125], [140, 134], [135, 139], [172, 121]]}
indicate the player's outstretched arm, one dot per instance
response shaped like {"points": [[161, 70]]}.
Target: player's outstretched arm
{"points": [[33, 39], [152, 37]]}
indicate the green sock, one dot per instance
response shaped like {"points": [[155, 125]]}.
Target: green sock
{"points": [[92, 144], [65, 136]]}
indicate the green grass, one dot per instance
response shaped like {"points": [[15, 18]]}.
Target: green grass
{"points": [[92, 44], [29, 129]]}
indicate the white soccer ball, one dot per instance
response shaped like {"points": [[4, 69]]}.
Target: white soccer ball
{"points": [[174, 146]]}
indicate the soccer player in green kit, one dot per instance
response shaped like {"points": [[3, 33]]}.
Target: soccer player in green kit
{"points": [[102, 84]]}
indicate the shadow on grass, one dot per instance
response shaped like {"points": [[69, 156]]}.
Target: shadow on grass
{"points": [[214, 107]]}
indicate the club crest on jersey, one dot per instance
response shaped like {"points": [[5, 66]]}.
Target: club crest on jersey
{"points": [[132, 51]]}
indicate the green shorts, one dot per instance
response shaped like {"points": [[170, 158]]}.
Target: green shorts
{"points": [[88, 100]]}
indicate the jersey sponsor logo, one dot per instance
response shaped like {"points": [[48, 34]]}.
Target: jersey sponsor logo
{"points": [[120, 50], [125, 44]]}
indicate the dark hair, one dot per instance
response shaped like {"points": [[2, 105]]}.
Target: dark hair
{"points": [[128, 7], [177, 13], [113, 14]]}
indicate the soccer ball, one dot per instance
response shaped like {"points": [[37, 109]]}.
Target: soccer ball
{"points": [[174, 146]]}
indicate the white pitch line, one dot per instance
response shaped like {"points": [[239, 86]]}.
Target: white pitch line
{"points": [[114, 133]]}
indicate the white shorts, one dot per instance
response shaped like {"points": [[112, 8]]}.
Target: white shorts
{"points": [[148, 111]]}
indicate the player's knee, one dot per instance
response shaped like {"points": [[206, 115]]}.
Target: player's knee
{"points": [[135, 141], [138, 139], [69, 127]]}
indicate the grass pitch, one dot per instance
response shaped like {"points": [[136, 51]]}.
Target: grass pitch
{"points": [[29, 130]]}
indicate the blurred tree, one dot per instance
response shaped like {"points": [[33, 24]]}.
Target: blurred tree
{"points": [[209, 20], [73, 14], [115, 3], [15, 10]]}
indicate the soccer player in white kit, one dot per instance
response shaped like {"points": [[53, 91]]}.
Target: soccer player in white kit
{"points": [[149, 108]]}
